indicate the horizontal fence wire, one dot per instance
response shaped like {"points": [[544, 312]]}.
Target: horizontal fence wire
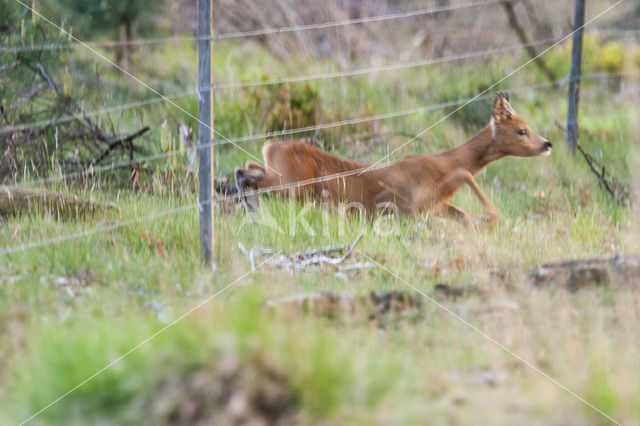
{"points": [[374, 166], [618, 32], [287, 132], [255, 33], [383, 68], [284, 80]]}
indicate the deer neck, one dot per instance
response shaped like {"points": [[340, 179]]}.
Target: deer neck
{"points": [[475, 154]]}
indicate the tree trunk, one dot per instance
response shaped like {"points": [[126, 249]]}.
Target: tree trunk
{"points": [[517, 28], [119, 49], [128, 30]]}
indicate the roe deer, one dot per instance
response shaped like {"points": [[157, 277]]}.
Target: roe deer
{"points": [[415, 184]]}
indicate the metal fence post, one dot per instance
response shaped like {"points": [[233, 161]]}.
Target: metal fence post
{"points": [[571, 128], [205, 127]]}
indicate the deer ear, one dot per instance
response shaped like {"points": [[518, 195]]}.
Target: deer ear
{"points": [[502, 109]]}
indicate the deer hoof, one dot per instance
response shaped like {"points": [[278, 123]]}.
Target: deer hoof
{"points": [[491, 218]]}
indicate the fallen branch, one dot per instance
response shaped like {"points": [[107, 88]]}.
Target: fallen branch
{"points": [[47, 78], [24, 151], [576, 274], [303, 259], [24, 98], [371, 306], [15, 200], [117, 142], [618, 192]]}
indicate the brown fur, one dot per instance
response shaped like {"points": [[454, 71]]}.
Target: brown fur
{"points": [[415, 184]]}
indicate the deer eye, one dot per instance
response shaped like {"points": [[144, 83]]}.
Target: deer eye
{"points": [[522, 132]]}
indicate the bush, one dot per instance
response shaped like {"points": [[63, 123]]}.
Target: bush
{"points": [[610, 57], [596, 56]]}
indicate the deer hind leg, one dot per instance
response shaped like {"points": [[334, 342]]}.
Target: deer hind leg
{"points": [[451, 183], [447, 210], [388, 197]]}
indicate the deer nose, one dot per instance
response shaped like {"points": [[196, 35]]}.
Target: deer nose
{"points": [[548, 145]]}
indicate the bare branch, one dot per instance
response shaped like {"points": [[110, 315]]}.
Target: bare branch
{"points": [[27, 96], [517, 28], [120, 141]]}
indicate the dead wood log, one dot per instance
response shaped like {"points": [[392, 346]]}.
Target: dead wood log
{"points": [[371, 306], [14, 200], [576, 274]]}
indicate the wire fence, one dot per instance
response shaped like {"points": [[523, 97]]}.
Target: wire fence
{"points": [[384, 68], [285, 80], [234, 197], [375, 166], [254, 33]]}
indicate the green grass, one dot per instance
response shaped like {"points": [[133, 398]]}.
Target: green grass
{"points": [[68, 309]]}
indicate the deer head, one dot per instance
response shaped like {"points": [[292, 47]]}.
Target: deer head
{"points": [[511, 135]]}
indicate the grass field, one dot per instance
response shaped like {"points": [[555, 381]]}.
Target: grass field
{"points": [[69, 308]]}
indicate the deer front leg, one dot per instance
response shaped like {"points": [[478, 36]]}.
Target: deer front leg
{"points": [[451, 183]]}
